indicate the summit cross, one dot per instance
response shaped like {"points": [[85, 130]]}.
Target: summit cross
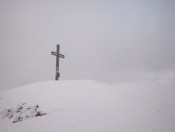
{"points": [[58, 55]]}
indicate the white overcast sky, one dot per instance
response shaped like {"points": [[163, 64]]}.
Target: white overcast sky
{"points": [[98, 37]]}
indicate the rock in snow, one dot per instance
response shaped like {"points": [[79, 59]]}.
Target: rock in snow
{"points": [[22, 112], [90, 106]]}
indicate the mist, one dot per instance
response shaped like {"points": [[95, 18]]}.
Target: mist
{"points": [[101, 40]]}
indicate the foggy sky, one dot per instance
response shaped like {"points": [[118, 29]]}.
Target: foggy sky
{"points": [[98, 37]]}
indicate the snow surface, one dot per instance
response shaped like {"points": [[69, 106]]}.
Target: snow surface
{"points": [[90, 106]]}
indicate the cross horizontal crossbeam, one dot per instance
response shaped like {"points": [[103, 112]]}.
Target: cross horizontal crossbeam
{"points": [[59, 55]]}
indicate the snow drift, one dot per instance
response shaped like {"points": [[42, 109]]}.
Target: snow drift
{"points": [[89, 106]]}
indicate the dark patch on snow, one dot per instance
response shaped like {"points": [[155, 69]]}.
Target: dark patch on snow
{"points": [[22, 112]]}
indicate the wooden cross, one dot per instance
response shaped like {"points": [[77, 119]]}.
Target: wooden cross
{"points": [[58, 55]]}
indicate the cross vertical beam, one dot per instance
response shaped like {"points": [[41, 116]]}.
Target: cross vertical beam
{"points": [[58, 55], [57, 63]]}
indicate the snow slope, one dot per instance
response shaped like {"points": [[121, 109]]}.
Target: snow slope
{"points": [[90, 106]]}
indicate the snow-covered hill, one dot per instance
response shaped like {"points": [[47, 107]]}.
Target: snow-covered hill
{"points": [[90, 106]]}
